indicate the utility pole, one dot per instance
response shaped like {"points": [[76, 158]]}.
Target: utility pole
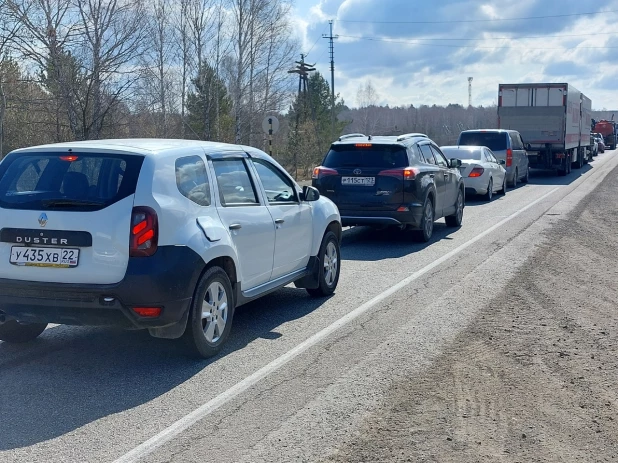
{"points": [[303, 69], [470, 92], [331, 39]]}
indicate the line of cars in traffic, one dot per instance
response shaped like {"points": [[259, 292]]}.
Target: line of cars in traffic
{"points": [[173, 235], [408, 181]]}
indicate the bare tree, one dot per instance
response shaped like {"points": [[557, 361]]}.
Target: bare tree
{"points": [[367, 99], [112, 35], [158, 64]]}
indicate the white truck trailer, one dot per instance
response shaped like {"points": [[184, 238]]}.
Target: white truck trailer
{"points": [[553, 121]]}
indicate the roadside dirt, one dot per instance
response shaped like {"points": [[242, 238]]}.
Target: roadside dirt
{"points": [[535, 378]]}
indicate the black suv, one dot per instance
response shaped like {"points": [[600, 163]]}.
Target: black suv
{"points": [[396, 180]]}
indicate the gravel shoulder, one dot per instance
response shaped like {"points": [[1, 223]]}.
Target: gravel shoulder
{"points": [[533, 378]]}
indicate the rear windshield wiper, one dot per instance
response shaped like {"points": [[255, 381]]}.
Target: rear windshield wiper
{"points": [[70, 202]]}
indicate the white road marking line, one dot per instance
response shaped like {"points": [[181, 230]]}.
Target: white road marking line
{"points": [[198, 414]]}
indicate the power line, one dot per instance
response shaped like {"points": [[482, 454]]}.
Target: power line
{"points": [[509, 38], [479, 20], [316, 41], [416, 42]]}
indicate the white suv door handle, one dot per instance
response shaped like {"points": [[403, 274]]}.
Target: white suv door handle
{"points": [[235, 226], [278, 221]]}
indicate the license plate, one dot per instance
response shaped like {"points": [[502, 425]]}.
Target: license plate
{"points": [[363, 181], [44, 257]]}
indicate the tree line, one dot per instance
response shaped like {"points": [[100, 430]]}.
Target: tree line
{"points": [[199, 69]]}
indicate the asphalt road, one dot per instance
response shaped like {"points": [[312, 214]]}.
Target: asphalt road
{"points": [[298, 375]]}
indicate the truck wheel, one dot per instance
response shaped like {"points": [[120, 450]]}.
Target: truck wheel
{"points": [[13, 331], [212, 311]]}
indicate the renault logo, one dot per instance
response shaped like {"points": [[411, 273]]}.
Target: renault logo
{"points": [[43, 219], [357, 171]]}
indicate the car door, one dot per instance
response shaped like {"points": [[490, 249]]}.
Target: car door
{"points": [[520, 158], [250, 224], [498, 172], [451, 181], [436, 175], [292, 218]]}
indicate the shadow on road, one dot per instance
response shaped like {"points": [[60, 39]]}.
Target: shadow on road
{"points": [[72, 376], [370, 244]]}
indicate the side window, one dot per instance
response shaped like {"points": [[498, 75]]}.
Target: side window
{"points": [[234, 183], [515, 142], [492, 157], [427, 154], [278, 188], [192, 179], [440, 159], [521, 141]]}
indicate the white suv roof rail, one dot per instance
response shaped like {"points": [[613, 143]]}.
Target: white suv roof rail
{"points": [[352, 135], [405, 136]]}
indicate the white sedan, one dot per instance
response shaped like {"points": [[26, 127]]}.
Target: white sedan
{"points": [[483, 174]]}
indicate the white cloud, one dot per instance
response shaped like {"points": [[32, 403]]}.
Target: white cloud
{"points": [[429, 62]]}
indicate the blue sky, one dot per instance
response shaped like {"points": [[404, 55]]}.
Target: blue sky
{"points": [[422, 52]]}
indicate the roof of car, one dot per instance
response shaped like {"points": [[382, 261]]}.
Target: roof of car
{"points": [[380, 139], [488, 130], [462, 147], [143, 146]]}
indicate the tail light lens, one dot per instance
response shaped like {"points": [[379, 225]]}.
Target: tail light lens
{"points": [[319, 172], [408, 173], [476, 172], [509, 157], [147, 312], [144, 232]]}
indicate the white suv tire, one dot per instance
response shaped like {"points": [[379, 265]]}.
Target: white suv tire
{"points": [[329, 260], [211, 314]]}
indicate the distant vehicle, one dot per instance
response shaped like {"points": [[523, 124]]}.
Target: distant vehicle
{"points": [[600, 142], [165, 235], [506, 145], [553, 119], [405, 181], [607, 129], [594, 145], [483, 174]]}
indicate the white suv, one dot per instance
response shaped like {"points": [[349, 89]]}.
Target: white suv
{"points": [[167, 235]]}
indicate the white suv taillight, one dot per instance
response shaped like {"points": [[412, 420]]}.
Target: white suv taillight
{"points": [[144, 232]]}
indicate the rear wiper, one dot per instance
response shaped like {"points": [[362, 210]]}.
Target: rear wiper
{"points": [[71, 202]]}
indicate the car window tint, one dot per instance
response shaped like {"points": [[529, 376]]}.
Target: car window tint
{"points": [[192, 179], [81, 181], [427, 154], [440, 159], [278, 188], [234, 183], [495, 141], [367, 155], [515, 142]]}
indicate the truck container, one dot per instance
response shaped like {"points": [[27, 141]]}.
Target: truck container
{"points": [[554, 122]]}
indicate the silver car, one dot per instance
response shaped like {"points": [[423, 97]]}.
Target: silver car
{"points": [[506, 145]]}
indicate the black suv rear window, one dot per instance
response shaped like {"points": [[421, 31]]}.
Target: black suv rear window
{"points": [[495, 141], [67, 181], [391, 156]]}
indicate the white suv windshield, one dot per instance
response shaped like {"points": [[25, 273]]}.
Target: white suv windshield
{"points": [[67, 181]]}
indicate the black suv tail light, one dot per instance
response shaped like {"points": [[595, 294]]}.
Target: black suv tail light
{"points": [[144, 232]]}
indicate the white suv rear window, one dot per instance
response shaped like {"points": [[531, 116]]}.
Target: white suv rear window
{"points": [[67, 181]]}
